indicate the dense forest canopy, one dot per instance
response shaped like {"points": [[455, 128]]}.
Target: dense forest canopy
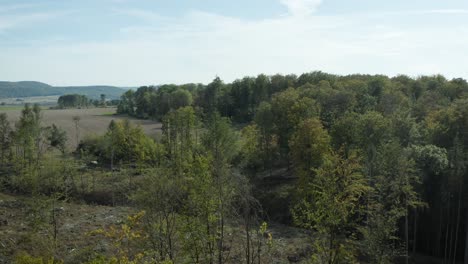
{"points": [[406, 135], [372, 168]]}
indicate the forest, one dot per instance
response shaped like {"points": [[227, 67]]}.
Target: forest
{"points": [[369, 168], [82, 101]]}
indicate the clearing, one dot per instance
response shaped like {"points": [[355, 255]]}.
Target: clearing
{"points": [[92, 121]]}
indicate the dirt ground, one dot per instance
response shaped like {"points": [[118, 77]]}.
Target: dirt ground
{"points": [[77, 221], [92, 121]]}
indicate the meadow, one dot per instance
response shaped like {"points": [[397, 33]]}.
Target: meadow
{"points": [[43, 100], [93, 121]]}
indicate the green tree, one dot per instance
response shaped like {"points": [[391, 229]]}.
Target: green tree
{"points": [[29, 135], [5, 138], [180, 134], [57, 138], [72, 100], [127, 103], [221, 143], [331, 205], [160, 195], [394, 183], [180, 98], [201, 217], [102, 101], [265, 120], [289, 110], [250, 147], [309, 146]]}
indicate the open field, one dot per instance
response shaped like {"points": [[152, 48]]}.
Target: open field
{"points": [[48, 100], [5, 108], [92, 121]]}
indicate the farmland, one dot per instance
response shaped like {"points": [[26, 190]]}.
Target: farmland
{"points": [[92, 121], [42, 100]]}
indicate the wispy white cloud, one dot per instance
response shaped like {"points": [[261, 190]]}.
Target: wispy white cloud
{"points": [[9, 8], [422, 12], [13, 21], [29, 18], [444, 11], [301, 7], [199, 45], [148, 16]]}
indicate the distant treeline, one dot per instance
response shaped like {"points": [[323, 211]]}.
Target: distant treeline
{"points": [[31, 88], [73, 101], [80, 101]]}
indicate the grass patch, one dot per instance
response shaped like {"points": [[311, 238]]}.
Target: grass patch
{"points": [[108, 114], [11, 107]]}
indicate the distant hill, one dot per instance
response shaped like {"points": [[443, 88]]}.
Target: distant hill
{"points": [[30, 88]]}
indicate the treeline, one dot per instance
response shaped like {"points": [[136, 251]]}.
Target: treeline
{"points": [[32, 88], [152, 102], [73, 101], [405, 136], [81, 101]]}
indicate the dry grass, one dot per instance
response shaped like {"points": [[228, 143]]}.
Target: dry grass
{"points": [[76, 244], [92, 121]]}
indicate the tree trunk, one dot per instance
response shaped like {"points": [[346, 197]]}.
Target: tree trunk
{"points": [[451, 244], [112, 171], [439, 235], [457, 224], [447, 231], [466, 238], [406, 233], [415, 231]]}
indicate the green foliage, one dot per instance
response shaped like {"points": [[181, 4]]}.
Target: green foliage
{"points": [[123, 143], [127, 103], [395, 182], [220, 140], [124, 238], [73, 101], [180, 135], [57, 138], [25, 258], [155, 102], [331, 205], [5, 139], [161, 197], [267, 139], [309, 146], [28, 135], [289, 111], [250, 146], [400, 140]]}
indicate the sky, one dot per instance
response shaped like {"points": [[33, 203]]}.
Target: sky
{"points": [[145, 42]]}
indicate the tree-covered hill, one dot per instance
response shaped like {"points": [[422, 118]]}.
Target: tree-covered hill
{"points": [[31, 88], [371, 168]]}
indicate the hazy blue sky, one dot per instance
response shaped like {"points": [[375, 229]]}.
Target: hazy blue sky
{"points": [[140, 42]]}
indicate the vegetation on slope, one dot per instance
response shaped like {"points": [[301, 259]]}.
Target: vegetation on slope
{"points": [[30, 88], [371, 168]]}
